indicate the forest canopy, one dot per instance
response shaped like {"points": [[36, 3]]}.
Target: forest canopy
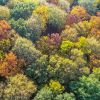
{"points": [[49, 49]]}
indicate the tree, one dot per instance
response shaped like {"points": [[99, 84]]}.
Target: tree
{"points": [[25, 49], [8, 66], [62, 69], [65, 96], [38, 70], [50, 91], [22, 10], [23, 88], [49, 44], [56, 20], [87, 88]]}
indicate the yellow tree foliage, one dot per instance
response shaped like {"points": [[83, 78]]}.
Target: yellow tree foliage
{"points": [[42, 11], [19, 87], [79, 11], [55, 86]]}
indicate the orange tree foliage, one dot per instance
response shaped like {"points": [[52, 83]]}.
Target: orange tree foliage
{"points": [[95, 22], [8, 65], [4, 28], [4, 25], [80, 12]]}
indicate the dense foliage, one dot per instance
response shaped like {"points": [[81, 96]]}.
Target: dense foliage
{"points": [[22, 10], [49, 49]]}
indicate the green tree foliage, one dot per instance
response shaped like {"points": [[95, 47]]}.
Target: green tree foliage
{"points": [[13, 3], [20, 26], [90, 5], [61, 69], [78, 57], [65, 96], [64, 4], [54, 44], [38, 70], [53, 91], [25, 49], [22, 10], [44, 94], [56, 19], [50, 91], [34, 23], [87, 88]]}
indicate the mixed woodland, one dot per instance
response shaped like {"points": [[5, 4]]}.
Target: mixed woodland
{"points": [[49, 49]]}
